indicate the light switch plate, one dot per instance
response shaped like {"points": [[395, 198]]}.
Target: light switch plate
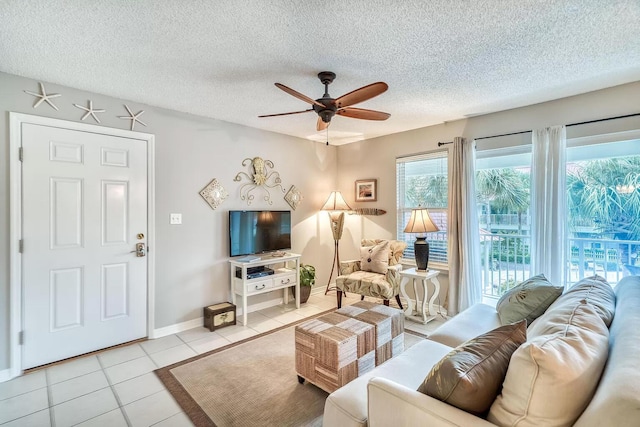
{"points": [[175, 218]]}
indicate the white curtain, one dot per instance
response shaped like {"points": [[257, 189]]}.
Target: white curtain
{"points": [[465, 281], [548, 203]]}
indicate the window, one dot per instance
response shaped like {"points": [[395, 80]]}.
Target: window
{"points": [[422, 180], [603, 189], [503, 189], [603, 211]]}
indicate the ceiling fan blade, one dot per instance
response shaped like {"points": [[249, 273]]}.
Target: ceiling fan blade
{"points": [[286, 114], [321, 125], [299, 95], [362, 94], [360, 113]]}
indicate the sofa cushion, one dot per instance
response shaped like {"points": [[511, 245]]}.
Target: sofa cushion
{"points": [[528, 300], [594, 290], [475, 320], [375, 258], [552, 377], [471, 375]]}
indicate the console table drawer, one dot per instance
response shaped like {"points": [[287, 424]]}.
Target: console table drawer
{"points": [[259, 286], [285, 280]]}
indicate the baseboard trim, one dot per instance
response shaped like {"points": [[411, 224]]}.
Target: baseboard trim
{"points": [[194, 323], [5, 375]]}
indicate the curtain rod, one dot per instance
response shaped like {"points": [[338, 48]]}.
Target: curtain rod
{"points": [[569, 125]]}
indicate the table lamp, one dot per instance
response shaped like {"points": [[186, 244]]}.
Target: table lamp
{"points": [[335, 206], [421, 222]]}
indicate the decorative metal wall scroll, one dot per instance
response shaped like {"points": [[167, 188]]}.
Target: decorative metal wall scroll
{"points": [[214, 193], [259, 176]]}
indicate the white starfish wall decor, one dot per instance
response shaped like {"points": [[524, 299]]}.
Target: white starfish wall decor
{"points": [[43, 97], [133, 117], [89, 111]]}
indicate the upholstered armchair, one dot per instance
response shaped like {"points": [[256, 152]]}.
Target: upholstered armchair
{"points": [[377, 272]]}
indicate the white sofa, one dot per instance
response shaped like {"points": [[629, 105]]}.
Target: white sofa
{"points": [[387, 395]]}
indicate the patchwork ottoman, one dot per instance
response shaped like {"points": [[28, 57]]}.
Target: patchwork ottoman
{"points": [[333, 350], [389, 324]]}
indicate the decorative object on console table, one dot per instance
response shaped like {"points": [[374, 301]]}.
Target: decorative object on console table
{"points": [[219, 315], [421, 222], [335, 205], [366, 190]]}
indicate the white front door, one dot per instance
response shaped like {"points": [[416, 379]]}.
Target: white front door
{"points": [[84, 210]]}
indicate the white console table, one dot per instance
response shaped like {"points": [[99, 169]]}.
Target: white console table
{"points": [[286, 274], [423, 277]]}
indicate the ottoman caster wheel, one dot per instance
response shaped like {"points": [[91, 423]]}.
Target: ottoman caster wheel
{"points": [[300, 379]]}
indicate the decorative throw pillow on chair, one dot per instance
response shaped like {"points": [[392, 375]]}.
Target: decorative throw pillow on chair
{"points": [[375, 258]]}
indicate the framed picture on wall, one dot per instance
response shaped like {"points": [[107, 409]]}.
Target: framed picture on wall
{"points": [[366, 190]]}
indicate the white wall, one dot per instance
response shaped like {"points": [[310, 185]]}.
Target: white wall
{"points": [[191, 258], [375, 158]]}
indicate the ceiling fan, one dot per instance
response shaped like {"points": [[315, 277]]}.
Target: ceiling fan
{"points": [[326, 107]]}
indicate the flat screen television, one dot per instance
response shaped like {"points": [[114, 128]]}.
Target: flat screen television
{"points": [[256, 232]]}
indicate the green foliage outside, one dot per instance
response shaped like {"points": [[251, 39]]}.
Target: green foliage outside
{"points": [[596, 194], [594, 199]]}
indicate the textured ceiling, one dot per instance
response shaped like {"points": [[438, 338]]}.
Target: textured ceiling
{"points": [[442, 59]]}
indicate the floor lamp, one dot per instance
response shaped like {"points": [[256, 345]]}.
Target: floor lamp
{"points": [[335, 206]]}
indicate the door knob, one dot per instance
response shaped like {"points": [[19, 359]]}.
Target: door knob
{"points": [[140, 250]]}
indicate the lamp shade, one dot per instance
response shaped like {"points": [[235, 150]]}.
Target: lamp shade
{"points": [[421, 222], [336, 202]]}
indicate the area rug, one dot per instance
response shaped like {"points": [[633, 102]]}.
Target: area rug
{"points": [[249, 383]]}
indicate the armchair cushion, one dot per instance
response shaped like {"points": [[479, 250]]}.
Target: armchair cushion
{"points": [[396, 248], [370, 284], [375, 258]]}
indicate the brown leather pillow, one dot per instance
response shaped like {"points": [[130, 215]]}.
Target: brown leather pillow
{"points": [[471, 375]]}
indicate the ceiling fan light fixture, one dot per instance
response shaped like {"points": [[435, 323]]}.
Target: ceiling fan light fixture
{"points": [[327, 107]]}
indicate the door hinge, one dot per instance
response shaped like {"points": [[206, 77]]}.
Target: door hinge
{"points": [[20, 154], [21, 338], [20, 245]]}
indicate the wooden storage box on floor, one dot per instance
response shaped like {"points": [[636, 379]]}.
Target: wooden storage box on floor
{"points": [[219, 315]]}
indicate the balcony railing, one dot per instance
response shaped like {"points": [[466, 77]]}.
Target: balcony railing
{"points": [[506, 260]]}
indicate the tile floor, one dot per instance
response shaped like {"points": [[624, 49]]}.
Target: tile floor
{"points": [[118, 387]]}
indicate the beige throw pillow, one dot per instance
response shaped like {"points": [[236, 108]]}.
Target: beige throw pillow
{"points": [[528, 300], [471, 375], [375, 258], [594, 290], [552, 377]]}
